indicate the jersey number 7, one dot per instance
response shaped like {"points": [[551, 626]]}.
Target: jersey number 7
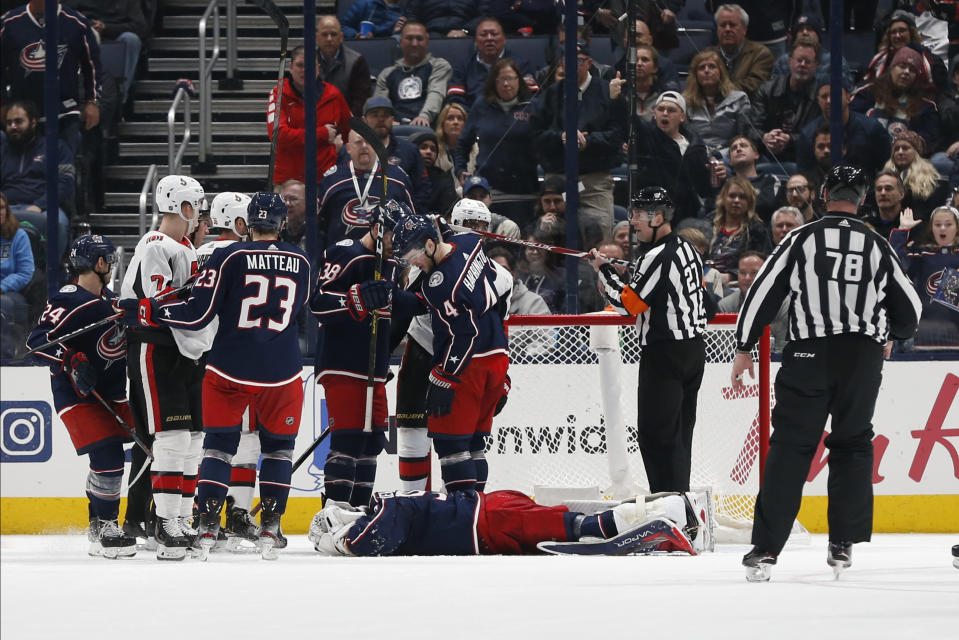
{"points": [[264, 289]]}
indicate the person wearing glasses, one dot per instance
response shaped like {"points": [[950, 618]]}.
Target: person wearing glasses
{"points": [[801, 195]]}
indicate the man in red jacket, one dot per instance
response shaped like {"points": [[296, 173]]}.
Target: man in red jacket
{"points": [[332, 115]]}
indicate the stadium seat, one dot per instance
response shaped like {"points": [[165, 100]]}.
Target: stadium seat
{"points": [[379, 52], [533, 49], [406, 130], [451, 49]]}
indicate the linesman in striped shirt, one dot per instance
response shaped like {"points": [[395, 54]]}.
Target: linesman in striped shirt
{"points": [[667, 296], [847, 294]]}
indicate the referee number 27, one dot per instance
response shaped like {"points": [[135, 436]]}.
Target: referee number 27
{"points": [[849, 264]]}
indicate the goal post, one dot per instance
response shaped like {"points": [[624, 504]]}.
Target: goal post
{"points": [[570, 422]]}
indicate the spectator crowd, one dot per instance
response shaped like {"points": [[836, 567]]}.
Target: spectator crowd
{"points": [[737, 132]]}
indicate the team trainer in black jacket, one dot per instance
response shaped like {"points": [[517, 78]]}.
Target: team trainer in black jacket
{"points": [[847, 294], [667, 296]]}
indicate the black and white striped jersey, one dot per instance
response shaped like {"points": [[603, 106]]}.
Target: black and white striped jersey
{"points": [[665, 293], [837, 276]]}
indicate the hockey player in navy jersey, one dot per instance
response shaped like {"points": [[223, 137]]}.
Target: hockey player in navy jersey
{"points": [[91, 362], [228, 219], [166, 375], [421, 523], [255, 289], [353, 187], [344, 301], [468, 376]]}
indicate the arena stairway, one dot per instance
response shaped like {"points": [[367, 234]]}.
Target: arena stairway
{"points": [[241, 147]]}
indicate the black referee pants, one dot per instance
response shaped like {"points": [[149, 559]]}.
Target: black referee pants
{"points": [[670, 374], [837, 376]]}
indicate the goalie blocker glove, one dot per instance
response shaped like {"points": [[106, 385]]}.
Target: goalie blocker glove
{"points": [[368, 296], [82, 374], [439, 397]]}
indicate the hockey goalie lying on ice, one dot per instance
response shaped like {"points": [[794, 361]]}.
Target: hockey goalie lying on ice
{"points": [[508, 522]]}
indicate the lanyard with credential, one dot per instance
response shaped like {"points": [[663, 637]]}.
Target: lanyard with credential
{"points": [[369, 181]]}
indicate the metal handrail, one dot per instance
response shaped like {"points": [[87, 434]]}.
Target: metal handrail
{"points": [[149, 187], [206, 78], [175, 158], [230, 39]]}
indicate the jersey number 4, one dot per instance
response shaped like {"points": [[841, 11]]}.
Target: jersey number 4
{"points": [[264, 287]]}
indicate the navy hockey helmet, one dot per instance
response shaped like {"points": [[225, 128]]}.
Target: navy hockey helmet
{"points": [[266, 212], [411, 233], [653, 199], [389, 214], [845, 182], [86, 250]]}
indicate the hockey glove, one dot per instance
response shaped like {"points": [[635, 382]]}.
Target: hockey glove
{"points": [[78, 368], [439, 396], [138, 313], [502, 401], [363, 298]]}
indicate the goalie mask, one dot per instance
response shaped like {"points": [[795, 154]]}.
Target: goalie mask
{"points": [[226, 208], [471, 213], [175, 190]]}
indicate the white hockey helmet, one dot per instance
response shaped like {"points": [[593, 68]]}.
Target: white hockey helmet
{"points": [[173, 190], [226, 207], [469, 210]]}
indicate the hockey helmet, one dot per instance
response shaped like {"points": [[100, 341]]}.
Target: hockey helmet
{"points": [[389, 214], [173, 190], [845, 182], [266, 211], [469, 210], [653, 199], [226, 207], [411, 233], [87, 250]]}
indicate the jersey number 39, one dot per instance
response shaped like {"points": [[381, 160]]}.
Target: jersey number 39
{"points": [[265, 286]]}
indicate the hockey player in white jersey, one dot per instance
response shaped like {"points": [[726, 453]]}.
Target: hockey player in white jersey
{"points": [[228, 219], [413, 379], [165, 372]]}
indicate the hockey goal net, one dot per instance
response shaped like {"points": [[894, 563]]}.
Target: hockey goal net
{"points": [[570, 423]]}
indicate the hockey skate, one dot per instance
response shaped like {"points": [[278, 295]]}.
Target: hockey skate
{"points": [[268, 542], [145, 530], [758, 565], [240, 526], [172, 542], [208, 528], [109, 541], [839, 557]]}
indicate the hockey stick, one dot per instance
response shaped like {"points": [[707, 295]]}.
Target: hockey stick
{"points": [[108, 319], [283, 24], [365, 132], [534, 245], [129, 430], [299, 462]]}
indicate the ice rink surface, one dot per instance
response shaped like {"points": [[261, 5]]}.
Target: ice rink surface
{"points": [[900, 586]]}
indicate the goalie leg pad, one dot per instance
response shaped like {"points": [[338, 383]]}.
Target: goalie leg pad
{"points": [[105, 481], [166, 473]]}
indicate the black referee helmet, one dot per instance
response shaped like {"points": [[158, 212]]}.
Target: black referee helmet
{"points": [[847, 183], [653, 199]]}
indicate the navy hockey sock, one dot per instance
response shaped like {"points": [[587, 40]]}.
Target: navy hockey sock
{"points": [[218, 450], [373, 444], [456, 464], [276, 470], [478, 454], [105, 481], [339, 472], [600, 525]]}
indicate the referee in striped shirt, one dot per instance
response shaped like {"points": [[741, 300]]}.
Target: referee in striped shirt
{"points": [[847, 294], [667, 296]]}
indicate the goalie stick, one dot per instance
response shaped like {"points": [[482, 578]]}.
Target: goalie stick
{"points": [[364, 131], [661, 534], [299, 462], [283, 25], [534, 245]]}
